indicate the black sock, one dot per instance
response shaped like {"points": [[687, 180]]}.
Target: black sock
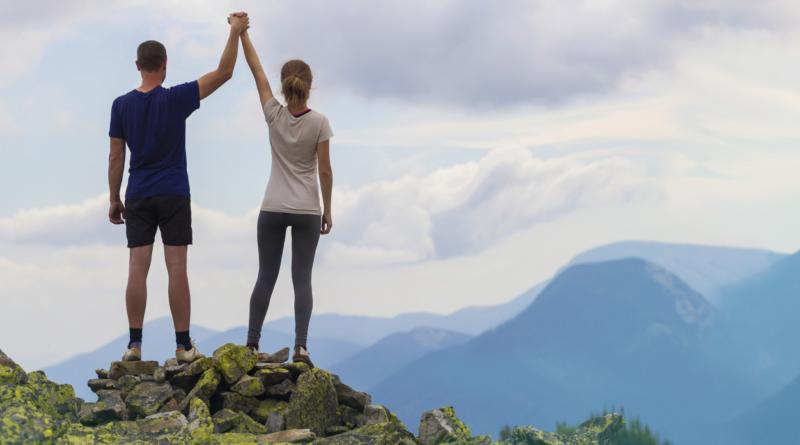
{"points": [[136, 338], [183, 340]]}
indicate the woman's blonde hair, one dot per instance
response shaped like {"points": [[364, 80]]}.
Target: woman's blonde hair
{"points": [[296, 80]]}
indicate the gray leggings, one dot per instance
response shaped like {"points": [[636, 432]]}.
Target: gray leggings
{"points": [[271, 236]]}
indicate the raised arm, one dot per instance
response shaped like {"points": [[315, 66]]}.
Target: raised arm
{"points": [[213, 80], [116, 166], [326, 182], [264, 91]]}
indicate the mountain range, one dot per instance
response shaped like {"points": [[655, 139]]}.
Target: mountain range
{"points": [[608, 329]]}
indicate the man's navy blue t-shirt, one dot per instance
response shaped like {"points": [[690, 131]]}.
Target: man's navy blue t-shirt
{"points": [[154, 126]]}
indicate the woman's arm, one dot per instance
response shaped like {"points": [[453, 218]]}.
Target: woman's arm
{"points": [[326, 182], [264, 91]]}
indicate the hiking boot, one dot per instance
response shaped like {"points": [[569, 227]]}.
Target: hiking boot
{"points": [[133, 354], [301, 355], [262, 356], [188, 356]]}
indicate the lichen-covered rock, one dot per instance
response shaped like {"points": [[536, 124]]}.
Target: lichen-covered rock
{"points": [[128, 382], [313, 404], [601, 429], [249, 426], [224, 420], [278, 357], [296, 369], [208, 382], [53, 399], [276, 422], [200, 427], [266, 407], [392, 432], [248, 386], [194, 394], [119, 369], [100, 384], [234, 361], [189, 377], [171, 362], [12, 374], [178, 393], [442, 426], [162, 422], [23, 423], [112, 408], [334, 430], [348, 416], [147, 398], [595, 431], [148, 378], [348, 396], [101, 373], [85, 416], [237, 402], [160, 375], [172, 371], [271, 377], [281, 391], [288, 436], [373, 415], [106, 393]]}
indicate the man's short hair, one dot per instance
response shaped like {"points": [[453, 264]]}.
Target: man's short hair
{"points": [[151, 55]]}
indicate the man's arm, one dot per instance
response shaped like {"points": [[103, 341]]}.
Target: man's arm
{"points": [[116, 166], [326, 183], [213, 80], [262, 84]]}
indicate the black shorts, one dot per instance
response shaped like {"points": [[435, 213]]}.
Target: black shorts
{"points": [[170, 213]]}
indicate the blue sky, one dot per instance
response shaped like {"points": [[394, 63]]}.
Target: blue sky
{"points": [[477, 147]]}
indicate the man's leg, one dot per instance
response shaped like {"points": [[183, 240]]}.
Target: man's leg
{"points": [[136, 293], [180, 302]]}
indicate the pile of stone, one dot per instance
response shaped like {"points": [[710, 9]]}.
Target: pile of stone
{"points": [[232, 397]]}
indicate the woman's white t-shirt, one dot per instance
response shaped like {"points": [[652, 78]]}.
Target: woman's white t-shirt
{"points": [[292, 186]]}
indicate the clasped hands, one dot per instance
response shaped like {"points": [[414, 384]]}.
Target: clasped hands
{"points": [[239, 20]]}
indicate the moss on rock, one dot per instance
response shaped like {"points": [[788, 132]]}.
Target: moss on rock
{"points": [[266, 407], [313, 404], [234, 361], [392, 432]]}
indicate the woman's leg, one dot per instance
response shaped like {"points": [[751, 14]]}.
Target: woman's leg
{"points": [[305, 237], [271, 236]]}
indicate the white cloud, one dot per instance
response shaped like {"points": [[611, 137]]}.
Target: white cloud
{"points": [[467, 208]]}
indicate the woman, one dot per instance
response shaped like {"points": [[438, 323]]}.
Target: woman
{"points": [[300, 139]]}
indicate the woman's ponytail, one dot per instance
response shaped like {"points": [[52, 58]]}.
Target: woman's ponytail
{"points": [[296, 80]]}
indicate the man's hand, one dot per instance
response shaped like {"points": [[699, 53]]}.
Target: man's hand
{"points": [[239, 21], [116, 213]]}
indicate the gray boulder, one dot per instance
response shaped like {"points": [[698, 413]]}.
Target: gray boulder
{"points": [[313, 405], [442, 426], [112, 408], [373, 415], [147, 398], [288, 436], [348, 396], [282, 391], [276, 422], [119, 369], [279, 357]]}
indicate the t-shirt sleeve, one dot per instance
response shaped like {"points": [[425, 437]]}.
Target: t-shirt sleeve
{"points": [[116, 129], [325, 131], [271, 110], [187, 97]]}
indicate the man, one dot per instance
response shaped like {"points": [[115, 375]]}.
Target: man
{"points": [[152, 121]]}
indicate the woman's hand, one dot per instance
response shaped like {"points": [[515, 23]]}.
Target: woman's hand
{"points": [[327, 223], [240, 21]]}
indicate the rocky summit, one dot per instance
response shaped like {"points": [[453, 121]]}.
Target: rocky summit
{"points": [[233, 397]]}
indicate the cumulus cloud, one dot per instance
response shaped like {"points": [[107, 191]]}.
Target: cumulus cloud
{"points": [[503, 53], [467, 208], [451, 212]]}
